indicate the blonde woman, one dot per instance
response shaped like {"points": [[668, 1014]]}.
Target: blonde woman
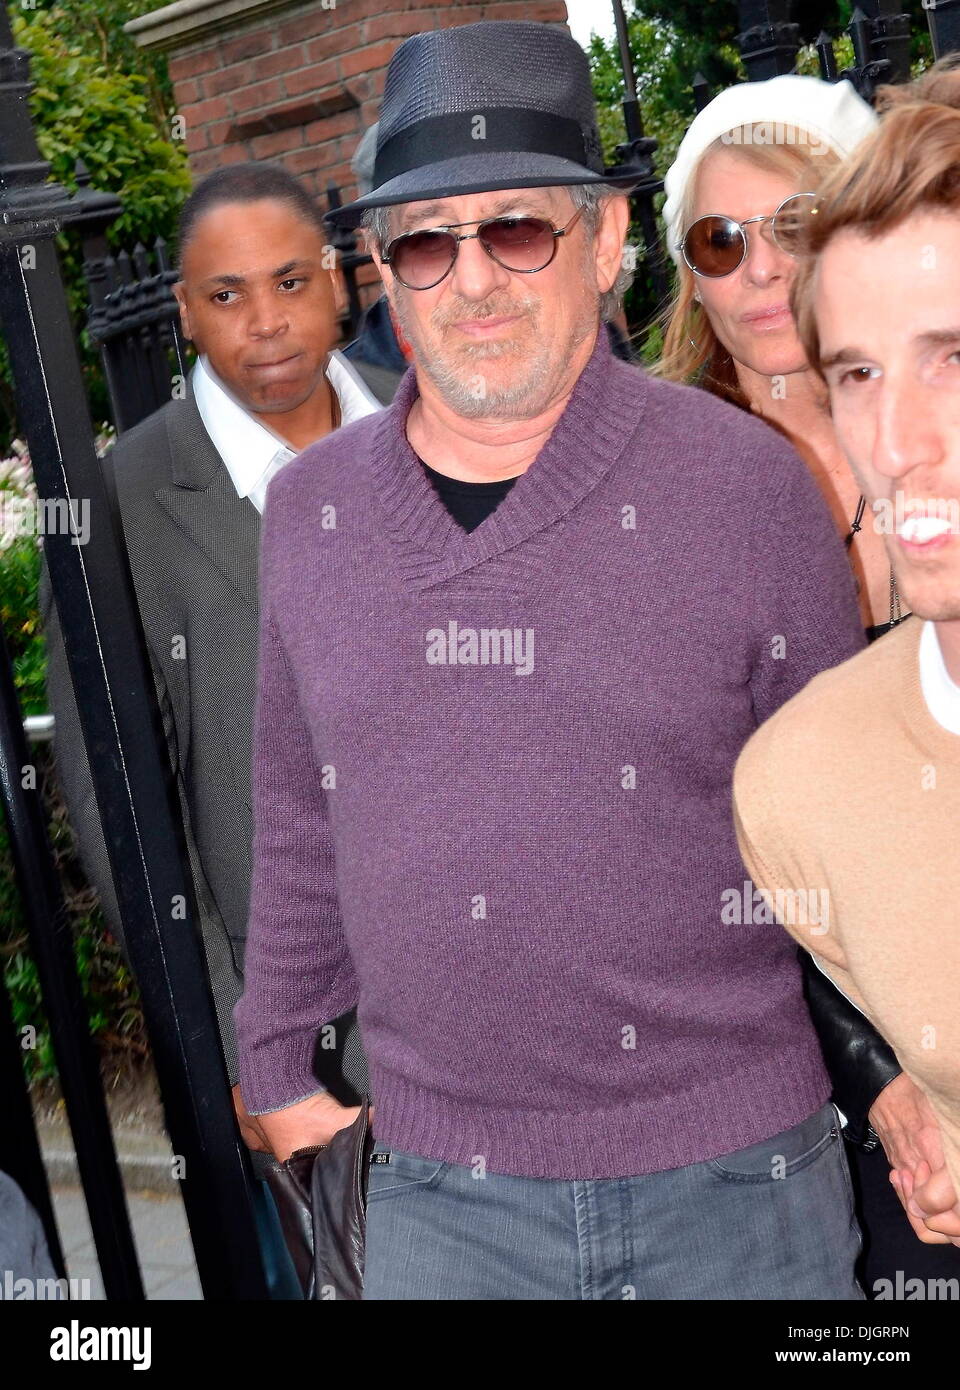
{"points": [[739, 195]]}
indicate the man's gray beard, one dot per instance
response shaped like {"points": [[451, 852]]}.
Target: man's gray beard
{"points": [[519, 401], [460, 393]]}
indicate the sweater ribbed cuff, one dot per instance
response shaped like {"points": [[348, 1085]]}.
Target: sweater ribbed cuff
{"points": [[273, 1077]]}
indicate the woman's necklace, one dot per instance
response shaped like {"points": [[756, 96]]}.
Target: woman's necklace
{"points": [[896, 615]]}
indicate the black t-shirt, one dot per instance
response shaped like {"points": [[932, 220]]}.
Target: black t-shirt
{"points": [[468, 503]]}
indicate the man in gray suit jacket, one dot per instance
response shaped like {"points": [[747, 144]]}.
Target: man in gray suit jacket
{"points": [[258, 296]]}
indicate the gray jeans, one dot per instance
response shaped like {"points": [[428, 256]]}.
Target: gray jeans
{"points": [[772, 1221]]}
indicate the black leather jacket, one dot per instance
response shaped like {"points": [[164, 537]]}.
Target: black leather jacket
{"points": [[860, 1062]]}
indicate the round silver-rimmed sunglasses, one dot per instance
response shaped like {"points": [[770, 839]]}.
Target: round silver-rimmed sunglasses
{"points": [[716, 245]]}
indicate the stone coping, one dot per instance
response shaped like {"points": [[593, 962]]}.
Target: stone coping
{"points": [[179, 24]]}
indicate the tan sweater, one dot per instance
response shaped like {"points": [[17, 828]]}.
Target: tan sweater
{"points": [[853, 789]]}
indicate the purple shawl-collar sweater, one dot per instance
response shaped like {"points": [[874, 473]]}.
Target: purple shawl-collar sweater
{"points": [[492, 784]]}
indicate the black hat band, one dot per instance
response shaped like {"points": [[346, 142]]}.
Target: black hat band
{"points": [[505, 129]]}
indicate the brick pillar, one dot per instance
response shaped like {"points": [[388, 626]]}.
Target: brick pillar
{"points": [[295, 83]]}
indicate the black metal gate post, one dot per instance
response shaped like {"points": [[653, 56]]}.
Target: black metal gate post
{"points": [[118, 710], [73, 1046], [135, 322], [827, 57], [943, 19], [881, 46], [769, 41], [636, 155]]}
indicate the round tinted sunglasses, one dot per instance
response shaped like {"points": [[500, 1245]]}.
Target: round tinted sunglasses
{"points": [[716, 245], [421, 260]]}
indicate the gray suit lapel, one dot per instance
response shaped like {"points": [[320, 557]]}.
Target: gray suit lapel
{"points": [[204, 503]]}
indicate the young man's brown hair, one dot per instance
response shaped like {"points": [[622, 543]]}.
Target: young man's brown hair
{"points": [[911, 162]]}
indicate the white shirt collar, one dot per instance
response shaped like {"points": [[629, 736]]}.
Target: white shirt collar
{"points": [[355, 397], [940, 691], [251, 451]]}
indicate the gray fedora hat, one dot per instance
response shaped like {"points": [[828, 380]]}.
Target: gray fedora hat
{"points": [[500, 104]]}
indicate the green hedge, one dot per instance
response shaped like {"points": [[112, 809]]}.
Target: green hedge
{"points": [[88, 102], [116, 1020]]}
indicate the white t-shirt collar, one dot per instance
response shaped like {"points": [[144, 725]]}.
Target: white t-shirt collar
{"points": [[940, 691]]}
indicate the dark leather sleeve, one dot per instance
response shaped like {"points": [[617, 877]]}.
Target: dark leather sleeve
{"points": [[321, 1198], [859, 1060]]}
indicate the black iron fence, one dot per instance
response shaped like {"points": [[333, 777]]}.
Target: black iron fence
{"points": [[123, 735], [133, 319]]}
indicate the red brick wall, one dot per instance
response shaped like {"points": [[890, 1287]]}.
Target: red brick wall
{"points": [[299, 86]]}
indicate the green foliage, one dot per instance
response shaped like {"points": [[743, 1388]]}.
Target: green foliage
{"points": [[85, 108], [109, 990], [20, 620], [665, 63], [91, 102], [23, 986], [96, 27], [20, 578]]}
